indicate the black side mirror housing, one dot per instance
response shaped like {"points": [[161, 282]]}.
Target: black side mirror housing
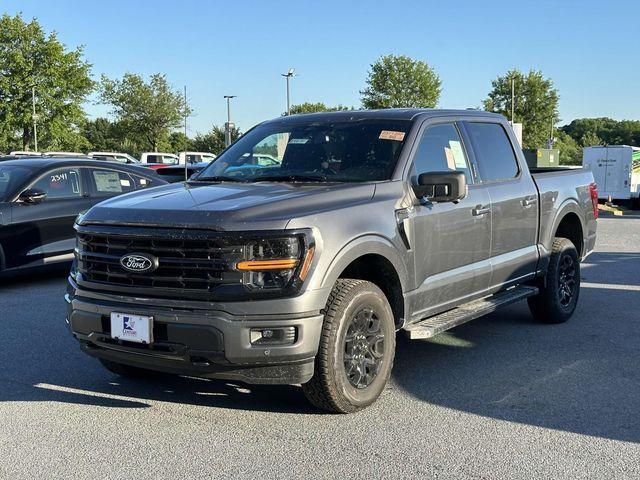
{"points": [[32, 196], [449, 186]]}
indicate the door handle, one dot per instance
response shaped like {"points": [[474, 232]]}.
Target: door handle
{"points": [[480, 210], [527, 202]]}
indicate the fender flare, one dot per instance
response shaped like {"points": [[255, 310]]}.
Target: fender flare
{"points": [[570, 205], [368, 245]]}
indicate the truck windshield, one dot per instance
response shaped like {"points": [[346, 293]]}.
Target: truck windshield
{"points": [[347, 151], [11, 176]]}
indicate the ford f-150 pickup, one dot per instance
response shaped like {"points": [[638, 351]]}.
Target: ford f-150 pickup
{"points": [[302, 271]]}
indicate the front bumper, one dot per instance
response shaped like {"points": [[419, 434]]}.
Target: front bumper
{"points": [[199, 342]]}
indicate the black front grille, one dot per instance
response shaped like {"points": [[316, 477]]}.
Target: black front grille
{"points": [[187, 261]]}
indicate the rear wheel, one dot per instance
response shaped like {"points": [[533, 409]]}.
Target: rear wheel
{"points": [[356, 350], [558, 297], [129, 371]]}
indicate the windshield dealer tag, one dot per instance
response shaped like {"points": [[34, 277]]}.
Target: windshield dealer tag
{"points": [[391, 135]]}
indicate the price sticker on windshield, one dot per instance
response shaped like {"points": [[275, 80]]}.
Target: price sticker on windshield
{"points": [[391, 135]]}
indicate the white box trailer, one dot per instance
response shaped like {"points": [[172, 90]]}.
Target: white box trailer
{"points": [[616, 170]]}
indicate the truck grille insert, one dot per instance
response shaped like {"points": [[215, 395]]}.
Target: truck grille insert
{"points": [[187, 262]]}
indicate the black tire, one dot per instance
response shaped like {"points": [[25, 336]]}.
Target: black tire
{"points": [[128, 371], [560, 291], [356, 309]]}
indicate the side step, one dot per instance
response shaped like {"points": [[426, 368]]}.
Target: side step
{"points": [[432, 326]]}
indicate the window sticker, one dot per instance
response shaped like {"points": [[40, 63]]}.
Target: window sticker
{"points": [[107, 181], [125, 183], [451, 163], [298, 141], [143, 181], [458, 154], [391, 135]]}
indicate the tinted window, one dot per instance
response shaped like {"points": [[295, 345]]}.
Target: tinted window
{"points": [[440, 149], [12, 177], [494, 153], [110, 182], [62, 183], [142, 182]]}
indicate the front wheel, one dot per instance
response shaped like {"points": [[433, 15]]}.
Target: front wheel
{"points": [[356, 349], [558, 297]]}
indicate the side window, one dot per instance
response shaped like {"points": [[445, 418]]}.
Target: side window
{"points": [[142, 182], [441, 149], [61, 183], [494, 153], [109, 182]]}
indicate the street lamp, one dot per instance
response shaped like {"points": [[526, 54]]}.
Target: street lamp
{"points": [[228, 127], [288, 75], [34, 117]]}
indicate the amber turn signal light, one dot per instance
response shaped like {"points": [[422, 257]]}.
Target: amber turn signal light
{"points": [[261, 265]]}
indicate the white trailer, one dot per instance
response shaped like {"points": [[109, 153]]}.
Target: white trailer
{"points": [[616, 170]]}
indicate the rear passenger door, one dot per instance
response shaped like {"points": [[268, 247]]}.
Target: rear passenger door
{"points": [[514, 202]]}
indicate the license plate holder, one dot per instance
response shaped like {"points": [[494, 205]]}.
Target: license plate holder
{"points": [[132, 328]]}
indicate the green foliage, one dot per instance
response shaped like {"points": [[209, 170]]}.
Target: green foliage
{"points": [[314, 107], [570, 151], [29, 57], [149, 110], [397, 81], [213, 141], [177, 142], [607, 130], [536, 104]]}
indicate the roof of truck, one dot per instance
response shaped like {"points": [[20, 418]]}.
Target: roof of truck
{"points": [[387, 114]]}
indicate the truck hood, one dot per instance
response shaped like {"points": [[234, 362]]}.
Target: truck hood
{"points": [[226, 206]]}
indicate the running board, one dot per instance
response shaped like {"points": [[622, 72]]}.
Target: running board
{"points": [[432, 326]]}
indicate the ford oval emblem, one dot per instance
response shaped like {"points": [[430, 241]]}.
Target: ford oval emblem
{"points": [[139, 262]]}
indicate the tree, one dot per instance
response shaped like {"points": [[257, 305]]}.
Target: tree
{"points": [[536, 104], [570, 151], [213, 141], [607, 130], [30, 58], [150, 110], [314, 107], [397, 81], [590, 139]]}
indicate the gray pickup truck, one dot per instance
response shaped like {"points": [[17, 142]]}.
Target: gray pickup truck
{"points": [[301, 270]]}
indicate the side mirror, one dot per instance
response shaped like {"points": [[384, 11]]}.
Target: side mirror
{"points": [[447, 186], [32, 196]]}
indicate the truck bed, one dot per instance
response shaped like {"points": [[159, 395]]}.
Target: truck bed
{"points": [[562, 190]]}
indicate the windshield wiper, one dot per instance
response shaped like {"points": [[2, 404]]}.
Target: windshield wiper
{"points": [[217, 178], [291, 178]]}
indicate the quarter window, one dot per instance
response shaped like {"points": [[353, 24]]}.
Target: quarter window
{"points": [[494, 153], [441, 149], [61, 183]]}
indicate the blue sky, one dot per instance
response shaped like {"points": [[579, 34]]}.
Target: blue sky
{"points": [[591, 49]]}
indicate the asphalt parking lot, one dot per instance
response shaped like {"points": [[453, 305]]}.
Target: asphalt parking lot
{"points": [[501, 397]]}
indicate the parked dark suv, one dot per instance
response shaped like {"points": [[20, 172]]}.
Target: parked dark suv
{"points": [[41, 196]]}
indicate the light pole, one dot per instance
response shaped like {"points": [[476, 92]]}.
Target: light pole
{"points": [[228, 127], [288, 75], [34, 117]]}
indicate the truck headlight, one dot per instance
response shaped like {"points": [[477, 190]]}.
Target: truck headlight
{"points": [[276, 263]]}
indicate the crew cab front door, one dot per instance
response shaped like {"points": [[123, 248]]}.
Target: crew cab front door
{"points": [[514, 202], [43, 232], [451, 241]]}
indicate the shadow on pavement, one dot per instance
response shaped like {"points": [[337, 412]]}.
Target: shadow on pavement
{"points": [[581, 377]]}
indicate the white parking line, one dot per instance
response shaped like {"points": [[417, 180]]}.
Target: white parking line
{"points": [[611, 286]]}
